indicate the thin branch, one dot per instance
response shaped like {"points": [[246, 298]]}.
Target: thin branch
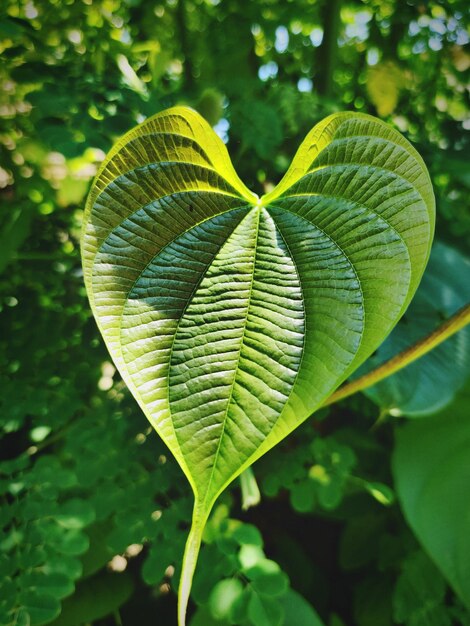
{"points": [[401, 360]]}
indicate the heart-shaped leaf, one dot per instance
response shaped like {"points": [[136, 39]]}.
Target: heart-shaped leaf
{"points": [[231, 317]]}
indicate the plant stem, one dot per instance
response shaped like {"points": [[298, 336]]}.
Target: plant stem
{"points": [[191, 552], [250, 491], [382, 418], [401, 360]]}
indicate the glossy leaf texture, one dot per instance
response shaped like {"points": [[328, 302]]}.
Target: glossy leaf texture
{"points": [[429, 384], [431, 466], [231, 317]]}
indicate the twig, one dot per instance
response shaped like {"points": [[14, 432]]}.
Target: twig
{"points": [[401, 360]]}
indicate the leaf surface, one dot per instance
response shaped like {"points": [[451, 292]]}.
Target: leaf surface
{"points": [[430, 383], [431, 466], [95, 598], [299, 611], [231, 317]]}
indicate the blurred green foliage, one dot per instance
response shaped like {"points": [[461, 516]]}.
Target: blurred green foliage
{"points": [[431, 382], [94, 514]]}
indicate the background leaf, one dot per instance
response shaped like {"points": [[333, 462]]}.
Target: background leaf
{"points": [[38, 608], [429, 384], [432, 472], [419, 593], [95, 598], [298, 611]]}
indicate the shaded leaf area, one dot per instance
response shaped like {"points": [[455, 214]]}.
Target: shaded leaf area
{"points": [[420, 593], [435, 453], [429, 384], [297, 610], [67, 515], [95, 598]]}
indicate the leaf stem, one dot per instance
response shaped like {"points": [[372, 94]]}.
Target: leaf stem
{"points": [[382, 418], [191, 553], [401, 360]]}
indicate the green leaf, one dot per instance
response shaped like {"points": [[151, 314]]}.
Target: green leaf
{"points": [[267, 578], [298, 611], [9, 28], [159, 558], [203, 617], [224, 595], [41, 608], [373, 602], [259, 126], [382, 493], [129, 75], [69, 542], [95, 598], [55, 585], [231, 317], [250, 555], [432, 472], [98, 553], [247, 534], [211, 105], [61, 564], [239, 609], [75, 514], [214, 566], [264, 611], [302, 496], [419, 594], [430, 383], [14, 229], [360, 541]]}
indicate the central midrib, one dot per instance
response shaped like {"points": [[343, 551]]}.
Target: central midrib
{"points": [[258, 208]]}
